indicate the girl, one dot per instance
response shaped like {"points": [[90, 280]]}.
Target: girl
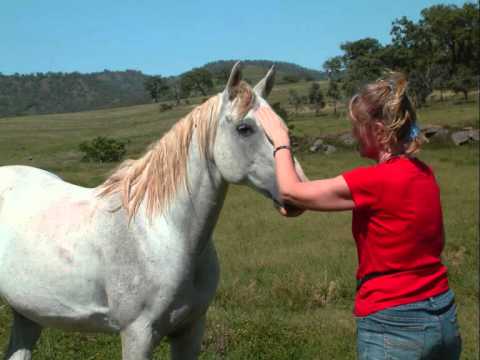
{"points": [[403, 306]]}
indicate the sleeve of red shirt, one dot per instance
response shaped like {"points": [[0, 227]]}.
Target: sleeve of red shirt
{"points": [[364, 186]]}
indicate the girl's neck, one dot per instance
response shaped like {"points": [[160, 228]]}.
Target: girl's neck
{"points": [[385, 155]]}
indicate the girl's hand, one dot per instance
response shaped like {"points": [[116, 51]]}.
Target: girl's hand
{"points": [[273, 126], [290, 210]]}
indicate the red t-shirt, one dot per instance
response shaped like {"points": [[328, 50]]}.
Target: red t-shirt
{"points": [[398, 227]]}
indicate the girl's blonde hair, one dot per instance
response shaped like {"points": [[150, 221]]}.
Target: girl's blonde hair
{"points": [[386, 101]]}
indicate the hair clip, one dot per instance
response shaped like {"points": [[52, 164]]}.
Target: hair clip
{"points": [[391, 85], [414, 132]]}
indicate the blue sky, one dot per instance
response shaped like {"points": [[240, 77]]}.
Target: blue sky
{"points": [[170, 37]]}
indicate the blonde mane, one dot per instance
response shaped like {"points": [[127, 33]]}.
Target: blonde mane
{"points": [[159, 173]]}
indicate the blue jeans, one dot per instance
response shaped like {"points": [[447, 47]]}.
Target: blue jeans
{"points": [[424, 330]]}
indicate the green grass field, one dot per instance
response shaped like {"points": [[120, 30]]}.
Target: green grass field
{"points": [[287, 285]]}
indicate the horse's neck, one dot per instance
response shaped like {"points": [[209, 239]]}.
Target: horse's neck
{"points": [[194, 211]]}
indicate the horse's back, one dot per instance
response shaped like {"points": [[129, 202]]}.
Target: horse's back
{"points": [[48, 246], [36, 201], [26, 185], [17, 175]]}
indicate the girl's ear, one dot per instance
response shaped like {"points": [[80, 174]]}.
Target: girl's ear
{"points": [[378, 129]]}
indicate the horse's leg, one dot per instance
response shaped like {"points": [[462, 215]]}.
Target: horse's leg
{"points": [[186, 344], [23, 336], [137, 341]]}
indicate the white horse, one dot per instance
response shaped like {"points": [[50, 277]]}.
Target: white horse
{"points": [[135, 254]]}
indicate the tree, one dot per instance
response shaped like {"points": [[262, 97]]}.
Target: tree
{"points": [[441, 79], [455, 30], [156, 86], [176, 90], [315, 98], [221, 72], [360, 48], [420, 55], [333, 68], [420, 86], [294, 99], [199, 80], [334, 93], [361, 71], [440, 49], [361, 63], [463, 81], [469, 37]]}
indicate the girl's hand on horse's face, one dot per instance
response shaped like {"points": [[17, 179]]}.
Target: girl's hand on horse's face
{"points": [[273, 126]]}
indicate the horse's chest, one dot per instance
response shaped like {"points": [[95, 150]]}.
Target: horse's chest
{"points": [[172, 290], [185, 311], [192, 301]]}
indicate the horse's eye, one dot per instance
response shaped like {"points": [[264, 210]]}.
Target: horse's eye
{"points": [[245, 129]]}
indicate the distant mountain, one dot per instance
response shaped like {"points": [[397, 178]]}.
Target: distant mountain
{"points": [[254, 70], [43, 93]]}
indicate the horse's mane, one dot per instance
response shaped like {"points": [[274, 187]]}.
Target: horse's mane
{"points": [[159, 173]]}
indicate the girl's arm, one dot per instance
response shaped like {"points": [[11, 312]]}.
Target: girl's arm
{"points": [[327, 195]]}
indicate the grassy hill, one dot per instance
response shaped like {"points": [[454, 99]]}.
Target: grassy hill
{"points": [[287, 285]]}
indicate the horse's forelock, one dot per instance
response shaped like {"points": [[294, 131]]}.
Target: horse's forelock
{"points": [[243, 100]]}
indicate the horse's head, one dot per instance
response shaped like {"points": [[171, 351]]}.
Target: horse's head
{"points": [[242, 152]]}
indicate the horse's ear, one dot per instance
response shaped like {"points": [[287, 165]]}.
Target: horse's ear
{"points": [[234, 80], [265, 86]]}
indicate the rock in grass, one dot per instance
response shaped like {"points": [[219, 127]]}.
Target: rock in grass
{"points": [[441, 134], [347, 139], [461, 137], [317, 145], [329, 149], [433, 132], [475, 134], [430, 130]]}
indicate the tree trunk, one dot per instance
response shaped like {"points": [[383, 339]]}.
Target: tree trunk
{"points": [[176, 91]]}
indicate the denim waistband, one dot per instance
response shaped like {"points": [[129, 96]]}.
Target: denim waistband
{"points": [[433, 305]]}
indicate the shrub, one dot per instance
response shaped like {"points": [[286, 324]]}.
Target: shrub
{"points": [[165, 107], [103, 149], [277, 107], [309, 78], [291, 78]]}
